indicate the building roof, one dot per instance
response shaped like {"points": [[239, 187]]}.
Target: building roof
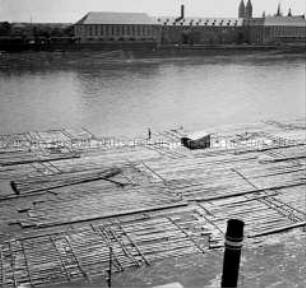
{"points": [[198, 135], [256, 21], [197, 21], [116, 18], [296, 21]]}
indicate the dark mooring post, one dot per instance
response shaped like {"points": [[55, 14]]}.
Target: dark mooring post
{"points": [[232, 253]]}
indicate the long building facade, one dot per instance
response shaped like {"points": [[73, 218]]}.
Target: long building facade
{"points": [[200, 30], [99, 27], [107, 27], [277, 30], [203, 31]]}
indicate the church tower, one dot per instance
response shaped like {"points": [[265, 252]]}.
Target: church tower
{"points": [[241, 10], [249, 10], [279, 11]]}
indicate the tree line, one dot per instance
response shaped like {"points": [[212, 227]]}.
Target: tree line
{"points": [[36, 30]]}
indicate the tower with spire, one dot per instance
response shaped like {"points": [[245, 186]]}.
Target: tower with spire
{"points": [[279, 10], [249, 10], [241, 10]]}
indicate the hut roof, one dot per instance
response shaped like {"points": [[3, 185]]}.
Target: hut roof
{"points": [[198, 135]]}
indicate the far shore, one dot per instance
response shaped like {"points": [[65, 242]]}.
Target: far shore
{"points": [[67, 58]]}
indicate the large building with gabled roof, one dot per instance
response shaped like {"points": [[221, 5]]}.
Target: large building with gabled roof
{"points": [[200, 30], [97, 27], [126, 28], [110, 27], [277, 29]]}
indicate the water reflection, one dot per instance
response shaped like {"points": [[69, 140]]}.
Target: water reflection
{"points": [[128, 96]]}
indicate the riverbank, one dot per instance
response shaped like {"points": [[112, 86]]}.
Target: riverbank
{"points": [[90, 56], [69, 195]]}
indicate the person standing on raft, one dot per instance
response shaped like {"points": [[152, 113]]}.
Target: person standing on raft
{"points": [[149, 134]]}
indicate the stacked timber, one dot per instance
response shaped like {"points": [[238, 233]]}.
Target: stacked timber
{"points": [[46, 182], [102, 199]]}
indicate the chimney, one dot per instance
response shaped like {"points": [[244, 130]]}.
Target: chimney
{"points": [[182, 16], [182, 11]]}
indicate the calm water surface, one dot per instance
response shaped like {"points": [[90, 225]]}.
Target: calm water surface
{"points": [[127, 97]]}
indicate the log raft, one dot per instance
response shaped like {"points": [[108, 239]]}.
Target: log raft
{"points": [[72, 196]]}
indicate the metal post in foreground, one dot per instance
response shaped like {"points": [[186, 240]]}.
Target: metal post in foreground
{"points": [[232, 253]]}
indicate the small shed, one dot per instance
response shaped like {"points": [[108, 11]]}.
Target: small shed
{"points": [[198, 140]]}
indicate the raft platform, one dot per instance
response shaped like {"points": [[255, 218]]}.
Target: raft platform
{"points": [[68, 197]]}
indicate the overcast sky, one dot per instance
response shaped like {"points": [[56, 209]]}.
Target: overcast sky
{"points": [[72, 10]]}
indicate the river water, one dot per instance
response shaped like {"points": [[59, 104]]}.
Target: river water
{"points": [[126, 97]]}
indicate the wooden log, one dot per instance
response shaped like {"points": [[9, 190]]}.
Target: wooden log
{"points": [[127, 253], [76, 258], [102, 232], [65, 179], [42, 160], [98, 217], [12, 264], [277, 230], [61, 259], [27, 263], [188, 236], [134, 245], [3, 280]]}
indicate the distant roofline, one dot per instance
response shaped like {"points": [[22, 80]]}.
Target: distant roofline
{"points": [[173, 19], [285, 16], [89, 16], [116, 12]]}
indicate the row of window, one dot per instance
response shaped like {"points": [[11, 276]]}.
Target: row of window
{"points": [[121, 39], [119, 30], [200, 28], [281, 30], [206, 24], [276, 31]]}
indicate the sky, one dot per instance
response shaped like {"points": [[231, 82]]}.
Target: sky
{"points": [[70, 11]]}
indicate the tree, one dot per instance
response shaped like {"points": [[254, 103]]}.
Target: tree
{"points": [[5, 29], [69, 31]]}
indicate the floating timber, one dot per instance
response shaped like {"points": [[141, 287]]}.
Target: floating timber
{"points": [[72, 200]]}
